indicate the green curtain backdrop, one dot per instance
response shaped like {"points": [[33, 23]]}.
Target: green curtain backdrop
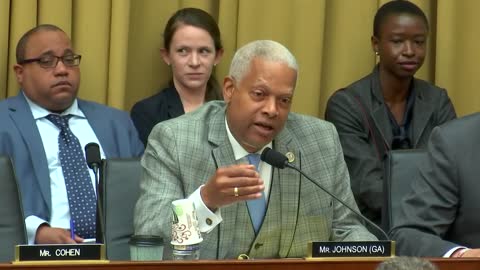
{"points": [[120, 43]]}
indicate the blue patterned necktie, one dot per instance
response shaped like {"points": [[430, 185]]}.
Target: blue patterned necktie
{"points": [[80, 192], [256, 207]]}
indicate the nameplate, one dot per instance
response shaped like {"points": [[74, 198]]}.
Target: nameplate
{"points": [[54, 252], [351, 249]]}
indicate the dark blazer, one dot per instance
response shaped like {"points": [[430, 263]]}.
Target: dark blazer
{"points": [[441, 210], [432, 107], [150, 111], [20, 139]]}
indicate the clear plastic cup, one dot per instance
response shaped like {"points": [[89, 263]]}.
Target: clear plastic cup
{"points": [[186, 253], [146, 248]]}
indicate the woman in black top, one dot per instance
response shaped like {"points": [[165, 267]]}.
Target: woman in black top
{"points": [[192, 48]]}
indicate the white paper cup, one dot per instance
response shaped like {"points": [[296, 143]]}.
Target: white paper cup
{"points": [[185, 230]]}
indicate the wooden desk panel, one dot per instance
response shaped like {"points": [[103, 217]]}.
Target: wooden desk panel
{"points": [[284, 264]]}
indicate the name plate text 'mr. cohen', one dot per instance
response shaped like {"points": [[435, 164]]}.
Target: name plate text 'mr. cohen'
{"points": [[60, 252], [351, 249]]}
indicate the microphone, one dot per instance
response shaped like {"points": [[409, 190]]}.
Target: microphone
{"points": [[278, 160], [92, 155], [94, 161]]}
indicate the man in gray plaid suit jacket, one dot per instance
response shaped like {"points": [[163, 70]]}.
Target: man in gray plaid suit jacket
{"points": [[202, 156]]}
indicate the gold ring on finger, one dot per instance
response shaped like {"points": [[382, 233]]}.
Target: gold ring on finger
{"points": [[235, 191]]}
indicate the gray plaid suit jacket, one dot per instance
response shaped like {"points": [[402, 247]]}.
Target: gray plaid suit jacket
{"points": [[183, 153]]}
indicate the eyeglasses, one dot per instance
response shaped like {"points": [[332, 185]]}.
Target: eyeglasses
{"points": [[51, 61]]}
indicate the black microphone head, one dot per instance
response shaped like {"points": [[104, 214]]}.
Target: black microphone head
{"points": [[92, 155], [274, 158]]}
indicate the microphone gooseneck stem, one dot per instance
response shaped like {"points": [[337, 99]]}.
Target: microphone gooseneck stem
{"points": [[100, 234], [338, 200]]}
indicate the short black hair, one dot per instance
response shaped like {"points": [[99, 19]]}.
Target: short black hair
{"points": [[22, 43], [394, 8]]}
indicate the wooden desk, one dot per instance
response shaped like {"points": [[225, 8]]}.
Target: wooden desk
{"points": [[284, 264]]}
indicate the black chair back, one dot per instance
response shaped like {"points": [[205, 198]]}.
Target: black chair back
{"points": [[12, 223], [121, 184], [401, 168]]}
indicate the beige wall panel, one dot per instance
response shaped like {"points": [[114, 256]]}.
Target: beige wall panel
{"points": [[267, 19], [57, 12], [283, 21], [4, 38], [306, 35], [228, 23], [91, 33], [348, 54], [207, 5], [146, 71], [23, 16], [458, 54], [118, 54]]}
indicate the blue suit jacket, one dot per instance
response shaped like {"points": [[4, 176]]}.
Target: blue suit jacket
{"points": [[20, 139]]}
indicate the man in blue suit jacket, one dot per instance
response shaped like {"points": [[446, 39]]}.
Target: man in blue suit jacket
{"points": [[47, 70]]}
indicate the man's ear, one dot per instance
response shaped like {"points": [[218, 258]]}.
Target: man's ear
{"points": [[165, 56], [374, 41], [18, 72], [228, 88]]}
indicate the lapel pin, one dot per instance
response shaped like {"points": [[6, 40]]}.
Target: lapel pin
{"points": [[290, 156]]}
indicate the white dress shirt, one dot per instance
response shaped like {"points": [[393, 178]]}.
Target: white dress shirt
{"points": [[214, 218], [60, 212]]}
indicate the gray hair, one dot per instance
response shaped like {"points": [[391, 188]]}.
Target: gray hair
{"points": [[266, 49], [406, 263]]}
